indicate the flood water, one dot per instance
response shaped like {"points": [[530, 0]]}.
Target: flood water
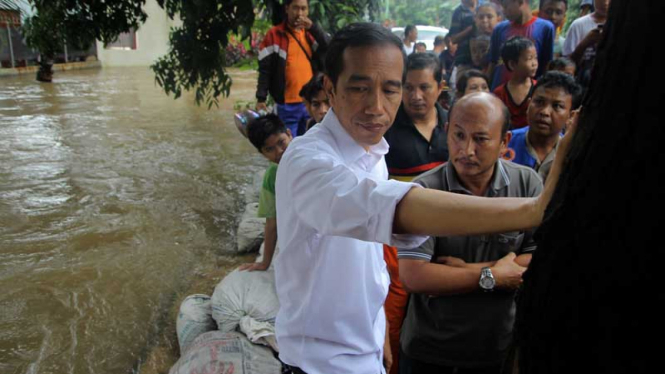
{"points": [[112, 197]]}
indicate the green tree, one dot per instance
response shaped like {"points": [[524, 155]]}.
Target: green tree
{"points": [[196, 57]]}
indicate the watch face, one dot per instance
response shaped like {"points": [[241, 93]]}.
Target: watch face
{"points": [[487, 283]]}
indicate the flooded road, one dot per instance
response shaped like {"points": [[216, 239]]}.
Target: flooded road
{"points": [[112, 197]]}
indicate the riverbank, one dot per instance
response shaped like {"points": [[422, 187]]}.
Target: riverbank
{"points": [[10, 72]]}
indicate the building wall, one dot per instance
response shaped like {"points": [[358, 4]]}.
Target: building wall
{"points": [[152, 41]]}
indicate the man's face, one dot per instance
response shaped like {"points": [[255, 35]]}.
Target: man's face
{"points": [[601, 6], [549, 110], [554, 11], [474, 136], [471, 4], [452, 47], [274, 147], [479, 50], [512, 9], [368, 91], [318, 107], [413, 35], [420, 48], [420, 93], [295, 11]]}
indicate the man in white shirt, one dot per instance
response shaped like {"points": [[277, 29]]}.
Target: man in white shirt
{"points": [[336, 206]]}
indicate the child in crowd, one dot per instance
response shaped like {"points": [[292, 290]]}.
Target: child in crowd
{"points": [[563, 64], [471, 81], [473, 51], [316, 102], [555, 12], [271, 138], [420, 48], [520, 57], [555, 96], [519, 22], [447, 58]]}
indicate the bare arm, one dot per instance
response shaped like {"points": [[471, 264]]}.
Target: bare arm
{"points": [[387, 353], [437, 279], [269, 244], [440, 213], [462, 35]]}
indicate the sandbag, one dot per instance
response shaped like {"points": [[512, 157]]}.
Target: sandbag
{"points": [[250, 230], [245, 293], [216, 352], [194, 319]]}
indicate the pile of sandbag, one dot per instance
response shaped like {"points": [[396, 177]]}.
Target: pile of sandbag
{"points": [[235, 328]]}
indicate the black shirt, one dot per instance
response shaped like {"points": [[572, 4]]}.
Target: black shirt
{"points": [[410, 153]]}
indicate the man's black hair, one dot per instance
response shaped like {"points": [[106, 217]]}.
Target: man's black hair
{"points": [[439, 40], [419, 44], [422, 61], [505, 115], [312, 88], [288, 2], [260, 129], [408, 29], [560, 63], [362, 34], [463, 79], [543, 2], [513, 48], [557, 79]]}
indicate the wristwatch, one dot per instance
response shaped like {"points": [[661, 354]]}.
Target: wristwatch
{"points": [[487, 281]]}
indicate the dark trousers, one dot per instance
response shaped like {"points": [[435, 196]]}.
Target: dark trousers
{"points": [[408, 365]]}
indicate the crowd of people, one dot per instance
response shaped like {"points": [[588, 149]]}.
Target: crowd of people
{"points": [[408, 185]]}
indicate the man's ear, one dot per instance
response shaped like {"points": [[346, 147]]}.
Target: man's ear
{"points": [[288, 132], [510, 67], [329, 88]]}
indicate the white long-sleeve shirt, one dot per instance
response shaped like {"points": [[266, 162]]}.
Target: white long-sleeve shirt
{"points": [[335, 207]]}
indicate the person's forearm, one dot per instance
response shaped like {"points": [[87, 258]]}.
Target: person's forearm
{"points": [[270, 240], [419, 276], [462, 35], [437, 213]]}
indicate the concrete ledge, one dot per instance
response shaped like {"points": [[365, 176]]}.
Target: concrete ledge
{"points": [[56, 68]]}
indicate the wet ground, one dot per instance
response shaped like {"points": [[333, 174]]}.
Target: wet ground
{"points": [[115, 202]]}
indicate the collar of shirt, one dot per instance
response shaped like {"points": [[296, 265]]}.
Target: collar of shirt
{"points": [[349, 149], [499, 181], [532, 152]]}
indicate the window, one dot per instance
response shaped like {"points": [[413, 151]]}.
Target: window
{"points": [[126, 41]]}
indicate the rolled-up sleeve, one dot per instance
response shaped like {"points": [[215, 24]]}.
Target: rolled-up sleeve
{"points": [[335, 201]]}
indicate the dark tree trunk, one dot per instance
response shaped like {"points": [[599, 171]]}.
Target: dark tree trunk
{"points": [[45, 72], [592, 300]]}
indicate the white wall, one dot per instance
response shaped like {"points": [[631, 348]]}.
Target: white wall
{"points": [[152, 37]]}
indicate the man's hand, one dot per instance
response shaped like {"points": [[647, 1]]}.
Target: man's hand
{"points": [[387, 357], [258, 266], [592, 38], [507, 274], [261, 106], [303, 22]]}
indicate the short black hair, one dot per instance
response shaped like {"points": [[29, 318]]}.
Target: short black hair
{"points": [[408, 29], [543, 2], [422, 61], [361, 34], [420, 44], [261, 128], [560, 63], [513, 48], [463, 79], [557, 79], [439, 40], [288, 2], [312, 88], [505, 115]]}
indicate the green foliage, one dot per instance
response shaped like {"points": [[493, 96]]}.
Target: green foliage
{"points": [[79, 22], [334, 15], [420, 12]]}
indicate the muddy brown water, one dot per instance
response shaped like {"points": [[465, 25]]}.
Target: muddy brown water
{"points": [[114, 199]]}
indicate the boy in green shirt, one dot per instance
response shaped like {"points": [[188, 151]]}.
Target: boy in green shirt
{"points": [[271, 137]]}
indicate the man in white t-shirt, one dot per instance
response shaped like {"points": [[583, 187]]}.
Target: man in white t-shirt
{"points": [[410, 37], [583, 37]]}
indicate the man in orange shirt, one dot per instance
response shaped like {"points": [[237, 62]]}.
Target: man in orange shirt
{"points": [[289, 55]]}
